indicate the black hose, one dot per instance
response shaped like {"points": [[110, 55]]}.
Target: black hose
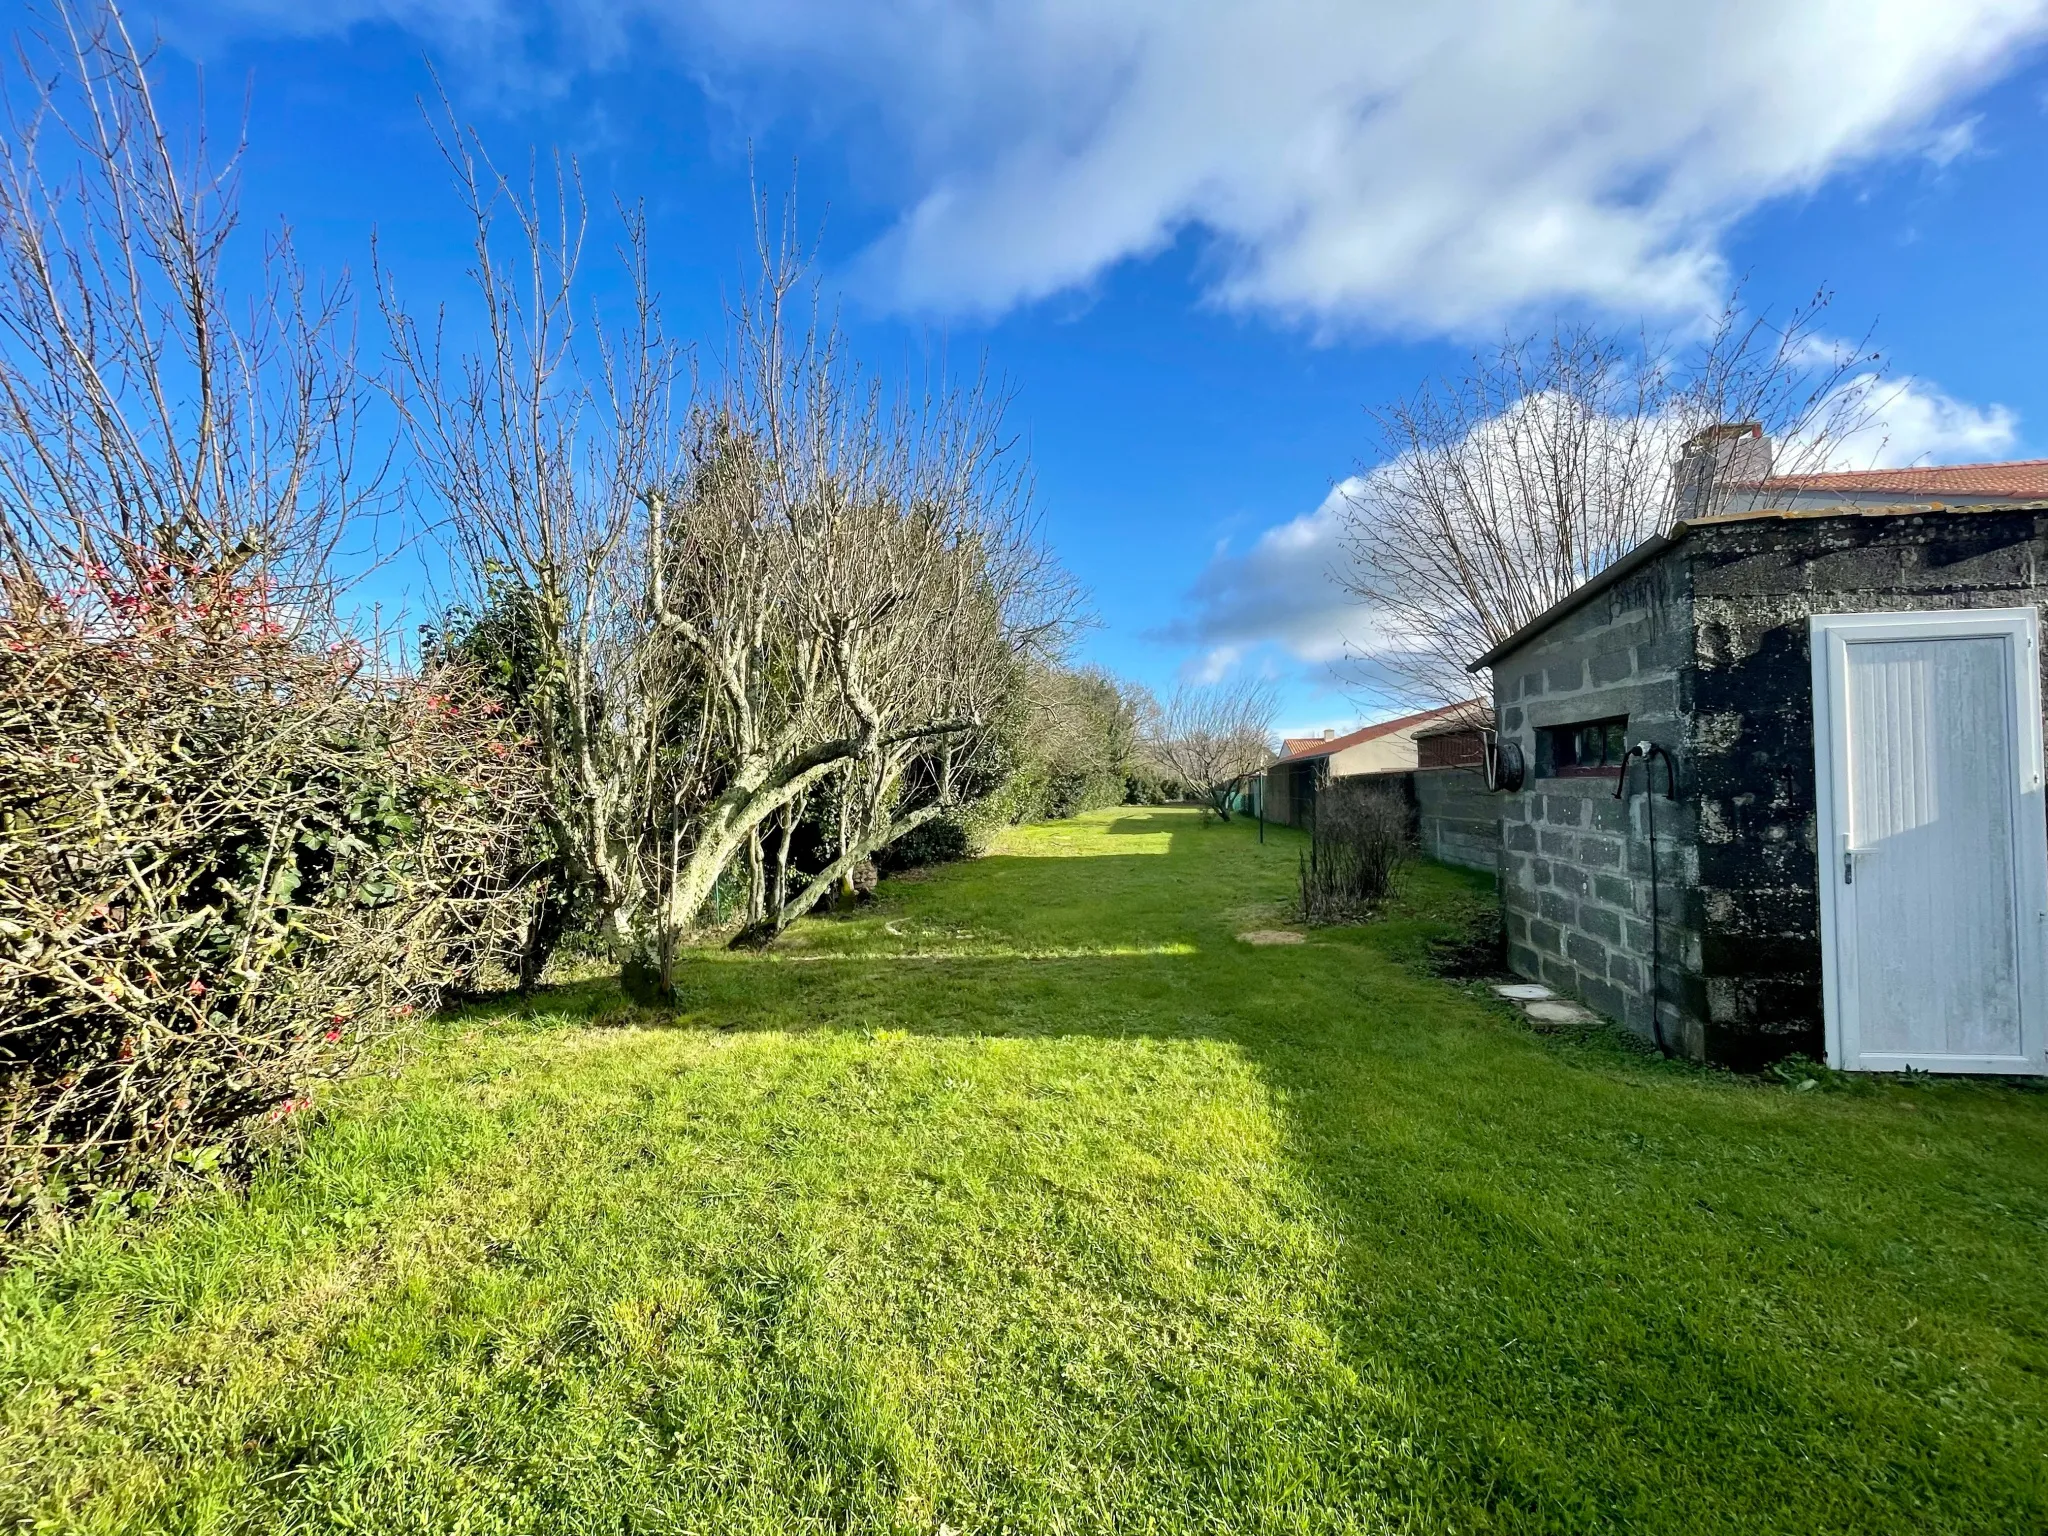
{"points": [[1648, 751]]}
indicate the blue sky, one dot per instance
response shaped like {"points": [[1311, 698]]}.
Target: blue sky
{"points": [[1199, 239]]}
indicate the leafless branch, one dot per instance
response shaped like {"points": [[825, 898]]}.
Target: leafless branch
{"points": [[1501, 490]]}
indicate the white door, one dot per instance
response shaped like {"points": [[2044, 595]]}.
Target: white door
{"points": [[1934, 851]]}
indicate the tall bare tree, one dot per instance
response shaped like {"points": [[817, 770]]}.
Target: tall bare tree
{"points": [[1215, 738], [855, 573], [541, 450], [1502, 489], [799, 578]]}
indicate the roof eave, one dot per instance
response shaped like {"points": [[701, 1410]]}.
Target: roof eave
{"points": [[1582, 594], [1379, 731], [1650, 549]]}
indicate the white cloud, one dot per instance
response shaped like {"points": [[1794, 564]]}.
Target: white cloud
{"points": [[1283, 591], [1425, 166], [1280, 607], [1215, 664], [1915, 423], [1948, 145]]}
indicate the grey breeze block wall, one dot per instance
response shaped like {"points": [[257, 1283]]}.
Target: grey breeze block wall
{"points": [[1457, 819], [1706, 650], [1574, 860], [1453, 816]]}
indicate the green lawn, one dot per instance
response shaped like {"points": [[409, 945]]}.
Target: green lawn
{"points": [[1032, 1200]]}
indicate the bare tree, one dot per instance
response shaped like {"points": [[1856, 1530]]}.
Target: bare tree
{"points": [[232, 847], [806, 580], [149, 436], [856, 575], [541, 451], [1128, 706], [1214, 739], [1501, 490]]}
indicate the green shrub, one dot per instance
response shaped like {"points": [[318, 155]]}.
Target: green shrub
{"points": [[1072, 788], [1146, 785], [942, 840]]}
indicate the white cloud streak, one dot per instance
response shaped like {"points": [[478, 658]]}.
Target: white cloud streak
{"points": [[1916, 423], [1283, 591], [1378, 162]]}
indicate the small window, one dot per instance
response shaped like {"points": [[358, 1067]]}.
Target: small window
{"points": [[1582, 750]]}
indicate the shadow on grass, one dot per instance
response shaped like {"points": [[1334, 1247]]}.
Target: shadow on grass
{"points": [[1606, 1291], [1311, 1241]]}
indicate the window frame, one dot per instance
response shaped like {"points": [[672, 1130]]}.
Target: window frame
{"points": [[1614, 739]]}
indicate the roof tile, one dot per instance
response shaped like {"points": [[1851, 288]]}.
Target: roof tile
{"points": [[2020, 477]]}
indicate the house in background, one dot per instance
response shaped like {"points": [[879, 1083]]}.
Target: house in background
{"points": [[1433, 760], [1773, 782], [1459, 742], [1308, 762]]}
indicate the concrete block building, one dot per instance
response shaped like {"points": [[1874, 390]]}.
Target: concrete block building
{"points": [[1837, 845]]}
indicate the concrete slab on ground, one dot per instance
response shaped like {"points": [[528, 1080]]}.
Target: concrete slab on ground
{"points": [[1557, 1011]]}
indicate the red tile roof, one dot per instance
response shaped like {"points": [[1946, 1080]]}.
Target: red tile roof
{"points": [[1302, 749], [2020, 477]]}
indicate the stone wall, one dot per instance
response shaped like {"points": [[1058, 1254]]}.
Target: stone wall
{"points": [[1576, 886]]}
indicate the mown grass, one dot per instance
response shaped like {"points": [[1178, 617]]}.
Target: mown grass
{"points": [[1032, 1200]]}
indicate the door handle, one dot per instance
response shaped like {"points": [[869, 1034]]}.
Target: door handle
{"points": [[1848, 861]]}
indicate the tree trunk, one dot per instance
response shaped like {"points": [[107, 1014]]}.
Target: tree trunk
{"points": [[757, 878], [727, 823], [545, 929], [791, 814], [837, 874]]}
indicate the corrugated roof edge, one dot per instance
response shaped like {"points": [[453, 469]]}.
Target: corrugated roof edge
{"points": [[1651, 548]]}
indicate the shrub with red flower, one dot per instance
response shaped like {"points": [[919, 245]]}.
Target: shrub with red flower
{"points": [[229, 854], [222, 827]]}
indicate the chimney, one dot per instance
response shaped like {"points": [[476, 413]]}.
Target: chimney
{"points": [[1734, 453], [1328, 734]]}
